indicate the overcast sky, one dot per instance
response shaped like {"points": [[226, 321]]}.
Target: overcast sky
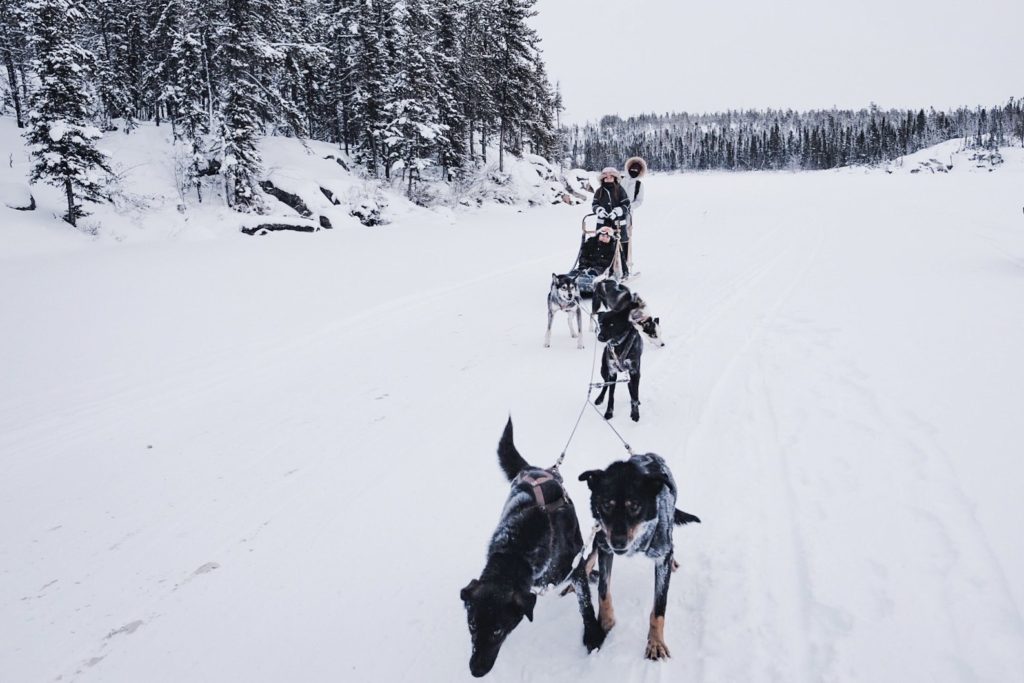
{"points": [[629, 57]]}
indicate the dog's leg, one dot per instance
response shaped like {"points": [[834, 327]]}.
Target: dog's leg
{"points": [[547, 336], [611, 396], [568, 317], [593, 632], [605, 610], [656, 647], [634, 395], [604, 376], [579, 326]]}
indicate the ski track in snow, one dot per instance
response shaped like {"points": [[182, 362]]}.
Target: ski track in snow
{"points": [[306, 503]]}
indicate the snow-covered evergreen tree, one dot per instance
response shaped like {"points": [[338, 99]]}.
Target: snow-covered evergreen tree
{"points": [[246, 54], [373, 75], [14, 49], [479, 74], [451, 83], [515, 79], [341, 30], [184, 80], [60, 135], [117, 29], [412, 125]]}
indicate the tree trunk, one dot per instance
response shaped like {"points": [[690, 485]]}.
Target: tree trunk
{"points": [[501, 146], [69, 190], [13, 79]]}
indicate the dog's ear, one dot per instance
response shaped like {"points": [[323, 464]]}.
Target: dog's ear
{"points": [[654, 482], [657, 321], [527, 604], [591, 477], [554, 277], [469, 591]]}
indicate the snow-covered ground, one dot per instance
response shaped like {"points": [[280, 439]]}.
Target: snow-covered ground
{"points": [[226, 458]]}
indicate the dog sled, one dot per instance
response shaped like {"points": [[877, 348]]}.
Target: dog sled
{"points": [[587, 276]]}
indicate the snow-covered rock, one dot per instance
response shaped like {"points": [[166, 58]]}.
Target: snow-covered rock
{"points": [[15, 195]]}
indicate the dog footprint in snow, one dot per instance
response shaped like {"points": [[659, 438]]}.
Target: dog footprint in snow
{"points": [[203, 569], [127, 629]]}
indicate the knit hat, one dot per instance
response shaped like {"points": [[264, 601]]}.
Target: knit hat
{"points": [[608, 170]]}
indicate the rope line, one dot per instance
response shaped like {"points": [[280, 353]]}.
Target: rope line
{"points": [[591, 385]]}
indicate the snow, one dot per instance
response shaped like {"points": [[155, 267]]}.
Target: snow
{"points": [[58, 129], [265, 459]]}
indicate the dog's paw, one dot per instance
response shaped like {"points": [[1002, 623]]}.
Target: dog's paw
{"points": [[634, 415], [656, 649], [593, 636], [547, 345], [607, 414]]}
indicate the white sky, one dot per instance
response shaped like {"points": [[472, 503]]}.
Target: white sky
{"points": [[670, 55]]}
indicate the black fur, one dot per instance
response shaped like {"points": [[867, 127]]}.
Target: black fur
{"points": [[533, 547], [633, 503], [622, 351], [614, 296]]}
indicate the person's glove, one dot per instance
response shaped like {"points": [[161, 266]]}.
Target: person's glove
{"points": [[601, 212], [618, 212]]}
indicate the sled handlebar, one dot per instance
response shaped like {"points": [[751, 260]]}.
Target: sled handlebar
{"points": [[583, 226]]}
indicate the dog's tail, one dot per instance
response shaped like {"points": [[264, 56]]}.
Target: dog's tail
{"points": [[508, 457], [685, 518]]}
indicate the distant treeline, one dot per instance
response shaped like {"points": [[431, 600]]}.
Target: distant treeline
{"points": [[774, 139]]}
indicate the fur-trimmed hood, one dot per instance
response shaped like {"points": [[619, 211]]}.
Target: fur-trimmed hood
{"points": [[635, 160]]}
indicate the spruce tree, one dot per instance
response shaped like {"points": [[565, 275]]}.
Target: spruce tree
{"points": [[14, 49], [116, 35], [513, 77], [60, 135], [412, 127], [374, 69], [451, 83], [247, 55]]}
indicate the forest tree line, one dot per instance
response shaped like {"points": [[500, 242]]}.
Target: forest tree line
{"points": [[773, 139], [410, 88]]}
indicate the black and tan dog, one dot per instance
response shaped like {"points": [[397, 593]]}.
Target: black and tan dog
{"points": [[611, 295], [535, 546], [634, 504], [622, 352]]}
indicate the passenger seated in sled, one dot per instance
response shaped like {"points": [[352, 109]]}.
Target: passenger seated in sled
{"points": [[596, 257]]}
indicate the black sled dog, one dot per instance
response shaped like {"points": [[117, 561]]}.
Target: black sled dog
{"points": [[564, 295], [611, 295], [622, 351], [535, 545], [634, 504]]}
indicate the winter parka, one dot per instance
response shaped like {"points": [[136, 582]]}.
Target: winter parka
{"points": [[633, 186], [596, 255], [609, 200]]}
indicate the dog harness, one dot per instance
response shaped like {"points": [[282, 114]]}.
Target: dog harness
{"points": [[620, 350], [547, 489]]}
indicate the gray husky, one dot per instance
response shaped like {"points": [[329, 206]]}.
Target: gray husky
{"points": [[564, 295]]}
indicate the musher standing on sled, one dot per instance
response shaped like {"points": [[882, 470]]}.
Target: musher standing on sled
{"points": [[611, 205], [636, 168]]}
